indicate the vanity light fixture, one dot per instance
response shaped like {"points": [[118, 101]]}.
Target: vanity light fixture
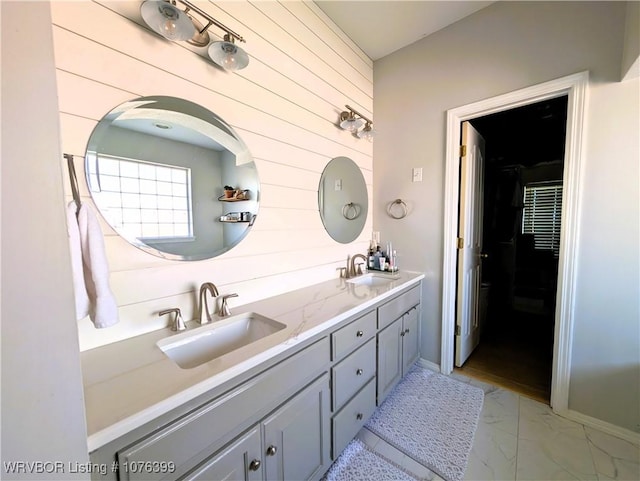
{"points": [[165, 18], [352, 120]]}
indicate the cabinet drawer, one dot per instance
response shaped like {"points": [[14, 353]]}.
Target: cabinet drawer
{"points": [[351, 418], [347, 338], [187, 440], [389, 312], [350, 374]]}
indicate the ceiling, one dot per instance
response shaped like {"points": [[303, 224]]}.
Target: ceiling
{"points": [[382, 27]]}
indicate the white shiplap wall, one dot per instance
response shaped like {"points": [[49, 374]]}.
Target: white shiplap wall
{"points": [[284, 105]]}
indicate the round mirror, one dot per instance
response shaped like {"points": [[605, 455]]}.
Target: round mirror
{"points": [[342, 199], [172, 178]]}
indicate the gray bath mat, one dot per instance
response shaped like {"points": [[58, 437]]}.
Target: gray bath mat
{"points": [[431, 418], [358, 463]]}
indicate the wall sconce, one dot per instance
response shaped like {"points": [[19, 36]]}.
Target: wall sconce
{"points": [[166, 19], [352, 120]]}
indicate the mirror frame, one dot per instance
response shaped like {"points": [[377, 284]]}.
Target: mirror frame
{"points": [[209, 132], [343, 200]]}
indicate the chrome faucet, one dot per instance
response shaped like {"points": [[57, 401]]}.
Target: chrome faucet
{"points": [[351, 269], [205, 315], [224, 307]]}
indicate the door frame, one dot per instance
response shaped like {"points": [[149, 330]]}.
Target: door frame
{"points": [[576, 88]]}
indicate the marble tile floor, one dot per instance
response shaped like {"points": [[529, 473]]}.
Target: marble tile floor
{"points": [[519, 438]]}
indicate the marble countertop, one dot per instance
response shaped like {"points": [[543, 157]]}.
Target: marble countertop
{"points": [[131, 382]]}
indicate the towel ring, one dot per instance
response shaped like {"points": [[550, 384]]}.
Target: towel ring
{"points": [[351, 211], [403, 207]]}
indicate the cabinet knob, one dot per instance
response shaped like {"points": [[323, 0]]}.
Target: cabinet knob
{"points": [[359, 333], [272, 450], [402, 333], [254, 465], [406, 331], [359, 416], [359, 372]]}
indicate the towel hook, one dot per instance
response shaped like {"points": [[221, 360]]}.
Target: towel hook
{"points": [[403, 209], [73, 179]]}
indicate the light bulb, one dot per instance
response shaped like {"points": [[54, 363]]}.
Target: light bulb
{"points": [[228, 55], [169, 29], [229, 61], [167, 20], [351, 124], [367, 133]]}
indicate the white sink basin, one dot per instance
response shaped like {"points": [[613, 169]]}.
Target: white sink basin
{"points": [[192, 348], [372, 279]]}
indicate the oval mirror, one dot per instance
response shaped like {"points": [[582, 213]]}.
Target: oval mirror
{"points": [[342, 199], [172, 178]]}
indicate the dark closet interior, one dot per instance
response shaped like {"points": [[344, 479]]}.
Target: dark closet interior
{"points": [[524, 153]]}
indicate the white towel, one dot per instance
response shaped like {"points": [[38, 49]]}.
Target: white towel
{"points": [[79, 287], [103, 309]]}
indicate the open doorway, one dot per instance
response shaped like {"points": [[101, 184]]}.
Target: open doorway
{"points": [[575, 86], [521, 225]]}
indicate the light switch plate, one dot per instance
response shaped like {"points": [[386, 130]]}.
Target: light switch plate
{"points": [[417, 174]]}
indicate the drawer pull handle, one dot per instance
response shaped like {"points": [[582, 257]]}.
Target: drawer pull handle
{"points": [[359, 416], [254, 465], [359, 334], [359, 372], [272, 450]]}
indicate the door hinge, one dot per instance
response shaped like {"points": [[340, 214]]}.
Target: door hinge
{"points": [[457, 329], [463, 150], [460, 243]]}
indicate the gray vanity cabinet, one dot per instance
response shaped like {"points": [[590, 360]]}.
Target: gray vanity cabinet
{"points": [[296, 436], [398, 339], [410, 340], [240, 461], [352, 379], [291, 443], [389, 358]]}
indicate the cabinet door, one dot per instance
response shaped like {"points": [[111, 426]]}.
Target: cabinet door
{"points": [[410, 339], [389, 358], [296, 436], [240, 461]]}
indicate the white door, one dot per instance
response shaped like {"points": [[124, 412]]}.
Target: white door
{"points": [[469, 242]]}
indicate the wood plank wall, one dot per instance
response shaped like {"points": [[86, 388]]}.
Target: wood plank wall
{"points": [[284, 105]]}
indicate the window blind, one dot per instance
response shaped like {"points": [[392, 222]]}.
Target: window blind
{"points": [[542, 214]]}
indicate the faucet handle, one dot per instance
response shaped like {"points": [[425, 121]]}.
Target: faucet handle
{"points": [[359, 266], [177, 324], [343, 272], [224, 307]]}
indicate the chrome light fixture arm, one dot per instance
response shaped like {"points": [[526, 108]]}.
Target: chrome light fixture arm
{"points": [[351, 115], [210, 20]]}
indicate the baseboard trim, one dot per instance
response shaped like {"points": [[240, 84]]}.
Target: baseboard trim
{"points": [[600, 425], [428, 364]]}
